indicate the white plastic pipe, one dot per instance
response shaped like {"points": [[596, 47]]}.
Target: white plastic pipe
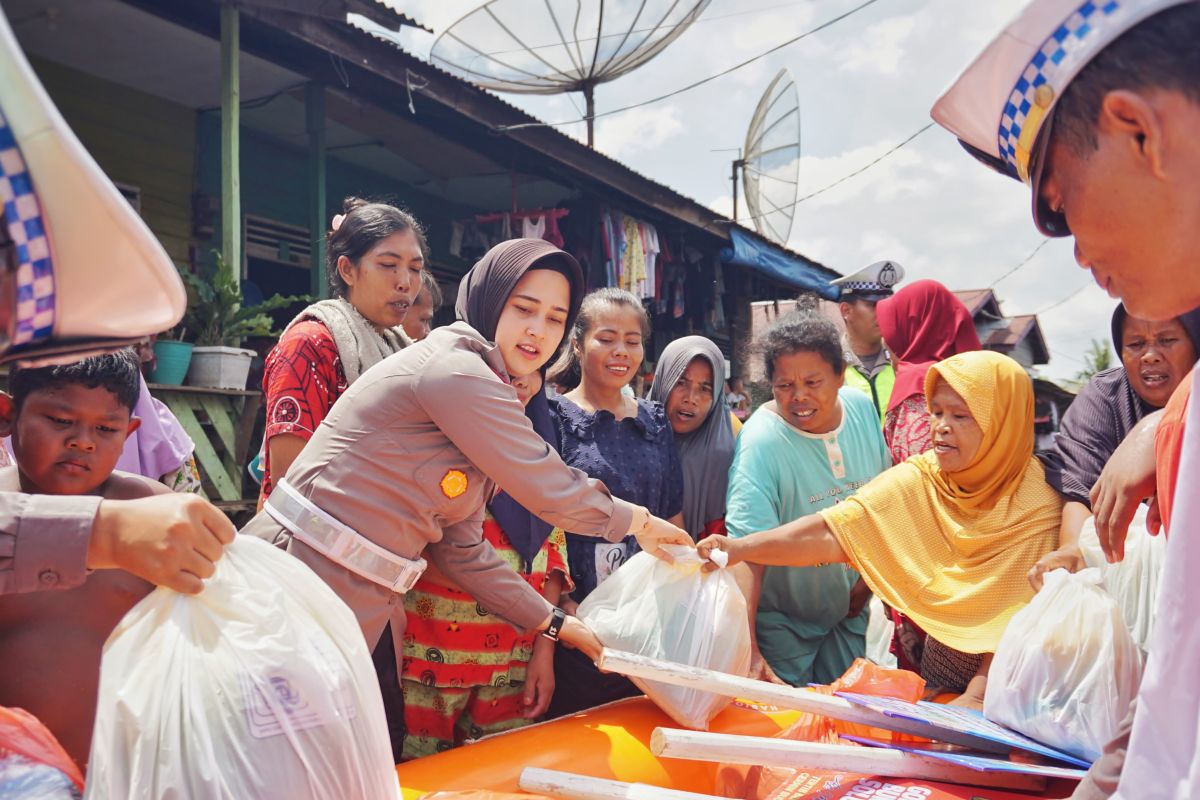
{"points": [[790, 697], [770, 752], [570, 786]]}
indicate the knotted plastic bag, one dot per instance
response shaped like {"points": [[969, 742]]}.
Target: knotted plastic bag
{"points": [[674, 612], [1066, 668], [1133, 581], [33, 765], [260, 686]]}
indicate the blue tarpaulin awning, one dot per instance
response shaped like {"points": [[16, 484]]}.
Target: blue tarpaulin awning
{"points": [[778, 264]]}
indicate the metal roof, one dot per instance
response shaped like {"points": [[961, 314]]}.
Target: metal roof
{"points": [[716, 220]]}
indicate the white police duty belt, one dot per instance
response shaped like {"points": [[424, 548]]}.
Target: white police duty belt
{"points": [[339, 542]]}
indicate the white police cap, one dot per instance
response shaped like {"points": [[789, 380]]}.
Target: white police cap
{"points": [[79, 270], [873, 282], [1000, 107]]}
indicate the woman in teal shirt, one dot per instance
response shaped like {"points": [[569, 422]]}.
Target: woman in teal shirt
{"points": [[811, 446]]}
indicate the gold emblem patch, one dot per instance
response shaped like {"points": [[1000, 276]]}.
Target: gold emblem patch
{"points": [[454, 483]]}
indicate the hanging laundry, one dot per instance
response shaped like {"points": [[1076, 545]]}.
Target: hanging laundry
{"points": [[533, 228], [456, 238], [635, 255], [552, 235]]}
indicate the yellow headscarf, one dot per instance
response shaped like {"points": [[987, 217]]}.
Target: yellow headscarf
{"points": [[952, 550]]}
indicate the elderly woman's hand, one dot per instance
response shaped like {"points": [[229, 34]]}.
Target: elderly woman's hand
{"points": [[1069, 558], [722, 544], [1127, 479]]}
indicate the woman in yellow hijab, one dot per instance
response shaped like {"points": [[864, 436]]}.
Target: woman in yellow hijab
{"points": [[946, 537]]}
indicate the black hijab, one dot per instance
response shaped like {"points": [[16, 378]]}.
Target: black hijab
{"points": [[482, 295], [1099, 419], [484, 290]]}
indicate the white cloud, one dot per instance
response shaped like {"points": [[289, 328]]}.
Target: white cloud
{"points": [[881, 48], [637, 131]]}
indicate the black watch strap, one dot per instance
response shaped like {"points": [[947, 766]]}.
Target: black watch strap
{"points": [[557, 618]]}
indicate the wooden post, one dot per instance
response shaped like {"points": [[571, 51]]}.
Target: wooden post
{"points": [[231, 183], [584, 787], [314, 112], [790, 697], [769, 752]]}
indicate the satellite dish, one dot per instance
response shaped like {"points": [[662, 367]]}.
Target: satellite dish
{"points": [[770, 162], [555, 46]]}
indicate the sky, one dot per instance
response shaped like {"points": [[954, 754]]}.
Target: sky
{"points": [[865, 84]]}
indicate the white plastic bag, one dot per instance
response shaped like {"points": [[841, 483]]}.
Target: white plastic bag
{"points": [[260, 686], [1066, 668], [1133, 581], [674, 612], [880, 631]]}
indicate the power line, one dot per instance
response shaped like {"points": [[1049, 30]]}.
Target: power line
{"points": [[840, 180], [701, 82], [1067, 356], [1024, 261], [1060, 302], [622, 34]]}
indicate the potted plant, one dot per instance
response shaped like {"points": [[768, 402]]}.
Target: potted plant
{"points": [[172, 357], [219, 322]]}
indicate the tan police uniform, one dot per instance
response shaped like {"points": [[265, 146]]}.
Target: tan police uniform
{"points": [[44, 541], [409, 456]]}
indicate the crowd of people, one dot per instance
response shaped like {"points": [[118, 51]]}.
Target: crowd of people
{"points": [[493, 472]]}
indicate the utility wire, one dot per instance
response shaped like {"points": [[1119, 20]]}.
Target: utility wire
{"points": [[1060, 302], [690, 86], [590, 39], [1024, 261], [840, 180]]}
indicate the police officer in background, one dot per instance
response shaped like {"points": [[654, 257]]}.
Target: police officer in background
{"points": [[80, 273], [868, 364]]}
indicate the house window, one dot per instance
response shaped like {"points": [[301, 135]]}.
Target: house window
{"points": [[278, 259]]}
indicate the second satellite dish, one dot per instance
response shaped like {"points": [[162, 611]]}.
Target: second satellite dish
{"points": [[770, 162], [553, 46]]}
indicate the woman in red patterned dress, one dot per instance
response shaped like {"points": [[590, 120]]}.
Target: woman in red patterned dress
{"points": [[374, 258]]}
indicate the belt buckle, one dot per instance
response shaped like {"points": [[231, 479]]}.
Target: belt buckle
{"points": [[408, 578]]}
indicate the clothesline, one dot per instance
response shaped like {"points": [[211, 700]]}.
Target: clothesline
{"points": [[549, 213]]}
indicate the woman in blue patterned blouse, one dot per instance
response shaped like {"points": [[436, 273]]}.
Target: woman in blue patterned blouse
{"points": [[626, 443]]}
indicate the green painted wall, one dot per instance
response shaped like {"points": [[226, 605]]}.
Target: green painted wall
{"points": [[275, 183], [137, 139]]}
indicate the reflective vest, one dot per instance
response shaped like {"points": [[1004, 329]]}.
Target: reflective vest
{"points": [[879, 388]]}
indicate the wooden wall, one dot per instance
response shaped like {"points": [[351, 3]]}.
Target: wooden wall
{"points": [[137, 139]]}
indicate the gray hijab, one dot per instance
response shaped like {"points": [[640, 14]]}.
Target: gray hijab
{"points": [[707, 452]]}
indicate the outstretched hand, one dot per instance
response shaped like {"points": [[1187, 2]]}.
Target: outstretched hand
{"points": [[658, 532], [1069, 558], [718, 544], [1126, 480], [171, 540], [578, 635]]}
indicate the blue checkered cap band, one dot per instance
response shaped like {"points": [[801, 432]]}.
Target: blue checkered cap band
{"points": [[865, 286], [23, 216], [1052, 66]]}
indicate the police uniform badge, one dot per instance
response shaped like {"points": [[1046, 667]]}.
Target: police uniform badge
{"points": [[454, 483]]}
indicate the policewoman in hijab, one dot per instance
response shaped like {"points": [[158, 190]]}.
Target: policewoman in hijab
{"points": [[690, 383], [406, 460]]}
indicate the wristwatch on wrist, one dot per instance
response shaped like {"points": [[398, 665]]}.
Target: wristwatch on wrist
{"points": [[557, 618]]}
